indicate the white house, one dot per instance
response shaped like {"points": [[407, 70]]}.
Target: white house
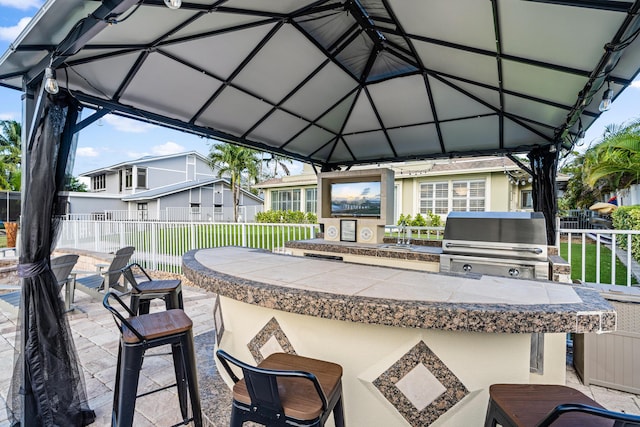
{"points": [[174, 187]]}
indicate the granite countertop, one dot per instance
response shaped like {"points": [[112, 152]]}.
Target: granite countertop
{"points": [[414, 252], [396, 297]]}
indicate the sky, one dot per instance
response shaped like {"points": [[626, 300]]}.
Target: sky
{"points": [[114, 139]]}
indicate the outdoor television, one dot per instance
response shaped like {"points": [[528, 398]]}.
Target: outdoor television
{"points": [[355, 199]]}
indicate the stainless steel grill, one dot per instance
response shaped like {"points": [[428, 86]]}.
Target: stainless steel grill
{"points": [[511, 244]]}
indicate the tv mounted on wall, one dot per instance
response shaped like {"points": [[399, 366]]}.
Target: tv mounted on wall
{"points": [[355, 199]]}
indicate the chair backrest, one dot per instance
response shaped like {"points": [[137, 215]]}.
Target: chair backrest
{"points": [[262, 384], [120, 260], [621, 419], [120, 320], [62, 266], [129, 275]]}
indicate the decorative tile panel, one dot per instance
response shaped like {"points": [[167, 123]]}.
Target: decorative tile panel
{"points": [[271, 339], [218, 322], [420, 386]]}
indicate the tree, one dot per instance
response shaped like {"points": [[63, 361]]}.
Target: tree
{"points": [[578, 194], [279, 161], [74, 184], [10, 155], [236, 162], [614, 163]]}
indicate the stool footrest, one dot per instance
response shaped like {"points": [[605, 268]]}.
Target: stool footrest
{"points": [[157, 390]]}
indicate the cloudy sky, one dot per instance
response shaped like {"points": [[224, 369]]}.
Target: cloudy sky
{"points": [[113, 139]]}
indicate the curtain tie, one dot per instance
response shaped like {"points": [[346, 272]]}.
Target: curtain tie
{"points": [[32, 269]]}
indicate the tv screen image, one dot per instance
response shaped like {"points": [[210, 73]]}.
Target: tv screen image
{"points": [[355, 198]]}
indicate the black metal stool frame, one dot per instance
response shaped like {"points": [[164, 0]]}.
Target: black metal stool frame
{"points": [[129, 364], [141, 299], [270, 412]]}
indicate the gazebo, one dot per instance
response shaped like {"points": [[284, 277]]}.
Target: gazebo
{"points": [[332, 83]]}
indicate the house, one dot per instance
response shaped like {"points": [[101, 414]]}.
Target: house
{"points": [[173, 187], [438, 186]]}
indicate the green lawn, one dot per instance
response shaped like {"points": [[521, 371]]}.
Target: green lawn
{"points": [[590, 269], [3, 241]]}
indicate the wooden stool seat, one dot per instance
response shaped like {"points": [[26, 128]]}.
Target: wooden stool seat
{"points": [[169, 290], [298, 396], [157, 286], [156, 325], [526, 405]]}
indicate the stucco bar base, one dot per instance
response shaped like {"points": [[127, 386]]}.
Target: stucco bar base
{"points": [[465, 364]]}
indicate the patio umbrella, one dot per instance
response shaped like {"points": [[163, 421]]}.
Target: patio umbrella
{"points": [[47, 388]]}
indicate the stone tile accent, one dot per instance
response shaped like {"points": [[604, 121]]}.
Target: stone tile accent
{"points": [[218, 321], [420, 386], [270, 339]]}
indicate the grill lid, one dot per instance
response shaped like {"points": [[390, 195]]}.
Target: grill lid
{"points": [[498, 227]]}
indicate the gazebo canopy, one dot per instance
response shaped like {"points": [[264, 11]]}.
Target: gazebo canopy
{"points": [[341, 82]]}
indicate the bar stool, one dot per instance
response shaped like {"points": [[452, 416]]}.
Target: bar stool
{"points": [[284, 390], [143, 292], [137, 335], [542, 405]]}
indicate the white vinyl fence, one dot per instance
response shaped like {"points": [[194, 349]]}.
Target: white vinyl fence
{"points": [[160, 245]]}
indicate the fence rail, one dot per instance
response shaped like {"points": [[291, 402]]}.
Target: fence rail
{"points": [[160, 245]]}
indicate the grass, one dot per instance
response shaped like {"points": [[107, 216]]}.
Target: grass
{"points": [[590, 263], [3, 241]]}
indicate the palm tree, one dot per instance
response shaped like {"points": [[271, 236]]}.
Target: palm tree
{"points": [[615, 162], [279, 161], [10, 155], [234, 161]]}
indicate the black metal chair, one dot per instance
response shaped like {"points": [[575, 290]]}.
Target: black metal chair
{"points": [[284, 390], [137, 335], [541, 405], [143, 292]]}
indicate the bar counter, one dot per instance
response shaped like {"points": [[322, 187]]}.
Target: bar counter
{"points": [[417, 348]]}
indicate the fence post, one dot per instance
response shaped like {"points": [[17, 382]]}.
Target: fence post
{"points": [[154, 245], [193, 236], [96, 234], [244, 234], [76, 235]]}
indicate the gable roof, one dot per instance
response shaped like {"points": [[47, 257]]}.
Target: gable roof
{"points": [[144, 159], [342, 83], [167, 190]]}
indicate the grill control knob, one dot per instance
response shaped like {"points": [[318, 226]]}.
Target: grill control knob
{"points": [[467, 268], [514, 272]]}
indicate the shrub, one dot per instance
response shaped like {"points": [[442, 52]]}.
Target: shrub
{"points": [[628, 218], [419, 221], [286, 217]]}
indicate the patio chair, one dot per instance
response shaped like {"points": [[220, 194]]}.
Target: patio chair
{"points": [[284, 390], [96, 284], [144, 289], [541, 405], [61, 267]]}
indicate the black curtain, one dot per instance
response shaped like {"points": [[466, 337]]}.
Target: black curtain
{"points": [[544, 164], [47, 387]]}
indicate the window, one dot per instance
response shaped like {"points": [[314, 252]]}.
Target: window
{"points": [[434, 198], [128, 178], [285, 200], [142, 178], [468, 196], [99, 182], [143, 212], [526, 199], [311, 197]]}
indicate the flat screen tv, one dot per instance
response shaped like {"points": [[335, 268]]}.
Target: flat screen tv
{"points": [[355, 198]]}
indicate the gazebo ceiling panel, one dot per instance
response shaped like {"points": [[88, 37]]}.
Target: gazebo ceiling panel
{"points": [[214, 22], [207, 52], [345, 82], [415, 140], [402, 102], [453, 104], [100, 78], [281, 65], [540, 82], [471, 134], [465, 22], [154, 86], [455, 62], [369, 145], [556, 34], [311, 139], [277, 128], [335, 118], [326, 87], [233, 111]]}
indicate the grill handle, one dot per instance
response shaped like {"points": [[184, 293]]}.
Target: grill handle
{"points": [[536, 251]]}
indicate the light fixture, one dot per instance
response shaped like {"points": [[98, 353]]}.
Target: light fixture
{"points": [[605, 104], [50, 82], [173, 4]]}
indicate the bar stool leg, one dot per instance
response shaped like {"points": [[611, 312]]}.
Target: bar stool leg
{"points": [[131, 364], [338, 413], [192, 376], [181, 378], [116, 388]]}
